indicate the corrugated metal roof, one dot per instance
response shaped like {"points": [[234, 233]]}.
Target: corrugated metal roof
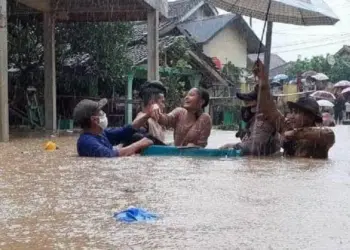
{"points": [[177, 10], [180, 8], [138, 53], [202, 30]]}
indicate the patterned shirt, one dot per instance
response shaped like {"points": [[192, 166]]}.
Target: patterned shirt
{"points": [[187, 132]]}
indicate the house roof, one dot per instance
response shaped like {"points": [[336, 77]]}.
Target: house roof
{"points": [[204, 30], [180, 8], [138, 55], [275, 61], [176, 11], [344, 49], [138, 52], [280, 69], [98, 11]]}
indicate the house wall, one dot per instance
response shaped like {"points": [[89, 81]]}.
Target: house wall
{"points": [[228, 45]]}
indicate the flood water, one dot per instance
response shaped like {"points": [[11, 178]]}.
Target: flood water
{"points": [[55, 200]]}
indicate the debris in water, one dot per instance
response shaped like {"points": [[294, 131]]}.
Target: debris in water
{"points": [[133, 214], [50, 146]]}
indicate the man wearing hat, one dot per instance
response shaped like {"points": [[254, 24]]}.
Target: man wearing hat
{"points": [[300, 134], [97, 140], [260, 137], [301, 137]]}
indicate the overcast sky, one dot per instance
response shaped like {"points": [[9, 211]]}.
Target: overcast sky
{"points": [[291, 41]]}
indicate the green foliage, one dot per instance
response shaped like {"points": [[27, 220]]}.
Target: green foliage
{"points": [[177, 58], [96, 51], [339, 71], [106, 45], [232, 72]]}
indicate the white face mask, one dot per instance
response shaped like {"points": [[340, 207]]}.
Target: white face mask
{"points": [[103, 121]]}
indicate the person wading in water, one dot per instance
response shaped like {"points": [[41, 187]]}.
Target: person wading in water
{"points": [[300, 135], [191, 125], [153, 92], [97, 140], [259, 137]]}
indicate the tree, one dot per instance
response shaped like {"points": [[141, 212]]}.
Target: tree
{"points": [[88, 55], [339, 71], [99, 50], [232, 72], [177, 58], [91, 59]]}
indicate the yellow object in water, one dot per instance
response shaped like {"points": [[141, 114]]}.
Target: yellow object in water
{"points": [[50, 146]]}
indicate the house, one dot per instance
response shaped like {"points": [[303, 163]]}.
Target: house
{"points": [[227, 38], [179, 11], [277, 64], [344, 51], [283, 69], [215, 40]]}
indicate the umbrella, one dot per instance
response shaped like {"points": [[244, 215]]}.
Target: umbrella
{"points": [[346, 91], [323, 95], [320, 77], [280, 77], [325, 103], [342, 84], [299, 12], [308, 73]]}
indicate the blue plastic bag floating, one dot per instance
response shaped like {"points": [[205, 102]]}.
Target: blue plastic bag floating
{"points": [[133, 214]]}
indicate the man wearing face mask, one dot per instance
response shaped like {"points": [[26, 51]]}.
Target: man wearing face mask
{"points": [[259, 137], [97, 140]]}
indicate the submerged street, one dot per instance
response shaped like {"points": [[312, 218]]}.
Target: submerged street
{"points": [[55, 200]]}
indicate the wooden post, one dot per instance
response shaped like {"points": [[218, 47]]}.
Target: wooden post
{"points": [[152, 45], [50, 72], [128, 103], [4, 109], [267, 55]]}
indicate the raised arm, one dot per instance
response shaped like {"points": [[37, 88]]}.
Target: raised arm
{"points": [[266, 103]]}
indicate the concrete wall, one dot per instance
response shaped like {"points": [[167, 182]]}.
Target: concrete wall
{"points": [[228, 45], [290, 89]]}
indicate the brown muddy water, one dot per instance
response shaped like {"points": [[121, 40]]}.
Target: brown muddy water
{"points": [[55, 200]]}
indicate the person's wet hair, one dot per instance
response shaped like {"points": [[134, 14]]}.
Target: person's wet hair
{"points": [[150, 94], [204, 95], [85, 123]]}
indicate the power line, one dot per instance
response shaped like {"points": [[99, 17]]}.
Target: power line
{"points": [[313, 35], [313, 46], [311, 41]]}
